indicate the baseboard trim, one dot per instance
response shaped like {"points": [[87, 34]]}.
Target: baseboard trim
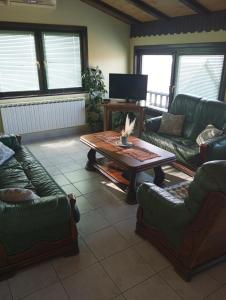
{"points": [[55, 133]]}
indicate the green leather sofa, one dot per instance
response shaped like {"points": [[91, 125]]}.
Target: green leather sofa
{"points": [[189, 230], [37, 229], [198, 114]]}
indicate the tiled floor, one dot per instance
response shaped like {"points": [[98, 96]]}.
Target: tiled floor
{"points": [[113, 263]]}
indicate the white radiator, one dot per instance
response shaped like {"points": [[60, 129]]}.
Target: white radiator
{"points": [[34, 117]]}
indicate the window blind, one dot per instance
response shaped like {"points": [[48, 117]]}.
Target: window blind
{"points": [[62, 60], [18, 67], [199, 75]]}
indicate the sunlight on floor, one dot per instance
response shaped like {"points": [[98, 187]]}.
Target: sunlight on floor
{"points": [[63, 144]]}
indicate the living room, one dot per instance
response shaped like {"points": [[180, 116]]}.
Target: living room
{"points": [[74, 236]]}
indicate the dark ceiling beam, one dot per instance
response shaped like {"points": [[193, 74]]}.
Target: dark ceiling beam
{"points": [[149, 9], [108, 9], [196, 6]]}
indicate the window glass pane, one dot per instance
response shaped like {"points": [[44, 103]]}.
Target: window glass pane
{"points": [[199, 75], [62, 60], [18, 67], [158, 69]]}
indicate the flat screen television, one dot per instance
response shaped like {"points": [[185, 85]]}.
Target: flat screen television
{"points": [[131, 87]]}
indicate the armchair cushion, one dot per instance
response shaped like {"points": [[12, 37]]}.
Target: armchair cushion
{"points": [[215, 149], [209, 178], [164, 211]]}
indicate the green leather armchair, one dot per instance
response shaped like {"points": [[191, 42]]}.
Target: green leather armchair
{"points": [[189, 230]]}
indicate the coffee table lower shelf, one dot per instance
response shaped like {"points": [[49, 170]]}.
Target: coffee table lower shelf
{"points": [[119, 176]]}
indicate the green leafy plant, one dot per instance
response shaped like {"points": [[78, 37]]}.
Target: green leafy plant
{"points": [[93, 82]]}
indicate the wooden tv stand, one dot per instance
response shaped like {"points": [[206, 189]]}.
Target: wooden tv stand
{"points": [[123, 107]]}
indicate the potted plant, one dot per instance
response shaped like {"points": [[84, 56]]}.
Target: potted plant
{"points": [[93, 82]]}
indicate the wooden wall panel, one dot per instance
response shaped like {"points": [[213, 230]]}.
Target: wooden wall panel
{"points": [[214, 5], [172, 8], [131, 10]]}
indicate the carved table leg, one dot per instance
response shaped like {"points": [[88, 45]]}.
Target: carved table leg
{"points": [[159, 176], [91, 160], [131, 193]]}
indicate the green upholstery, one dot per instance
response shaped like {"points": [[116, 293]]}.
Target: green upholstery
{"points": [[198, 114], [44, 219], [186, 150], [172, 215]]}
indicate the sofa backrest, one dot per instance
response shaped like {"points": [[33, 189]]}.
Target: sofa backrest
{"points": [[190, 106], [213, 112], [210, 177]]}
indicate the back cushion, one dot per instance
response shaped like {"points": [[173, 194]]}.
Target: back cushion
{"points": [[189, 106], [213, 112], [210, 177]]}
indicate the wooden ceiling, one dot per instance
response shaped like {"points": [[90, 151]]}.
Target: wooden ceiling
{"points": [[141, 11]]}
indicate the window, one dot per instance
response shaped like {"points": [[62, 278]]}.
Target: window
{"points": [[199, 75], [196, 69], [62, 60], [41, 59], [18, 62]]}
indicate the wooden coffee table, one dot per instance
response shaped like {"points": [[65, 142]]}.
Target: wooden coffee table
{"points": [[115, 164]]}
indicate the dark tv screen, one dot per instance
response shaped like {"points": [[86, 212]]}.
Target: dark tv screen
{"points": [[128, 86]]}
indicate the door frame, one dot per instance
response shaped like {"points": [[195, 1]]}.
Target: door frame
{"points": [[182, 49]]}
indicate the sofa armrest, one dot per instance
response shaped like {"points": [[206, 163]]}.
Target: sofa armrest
{"points": [[214, 149], [153, 124], [163, 206], [12, 141]]}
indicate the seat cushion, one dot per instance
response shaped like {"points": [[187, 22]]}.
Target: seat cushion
{"points": [[36, 174], [186, 150], [191, 107], [12, 175]]}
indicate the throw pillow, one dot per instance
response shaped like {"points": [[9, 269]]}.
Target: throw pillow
{"points": [[171, 124], [208, 133], [5, 153], [17, 195]]}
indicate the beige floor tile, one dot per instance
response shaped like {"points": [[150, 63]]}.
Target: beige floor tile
{"points": [[61, 180], [152, 256], [218, 272], [4, 291], [103, 196], [83, 205], [80, 175], [89, 185], [66, 266], [106, 242], [220, 294], [32, 279], [116, 213], [53, 170], [91, 222], [153, 288], [119, 298], [53, 292], [199, 287], [127, 268], [67, 168], [70, 188], [127, 230], [90, 284], [46, 162]]}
